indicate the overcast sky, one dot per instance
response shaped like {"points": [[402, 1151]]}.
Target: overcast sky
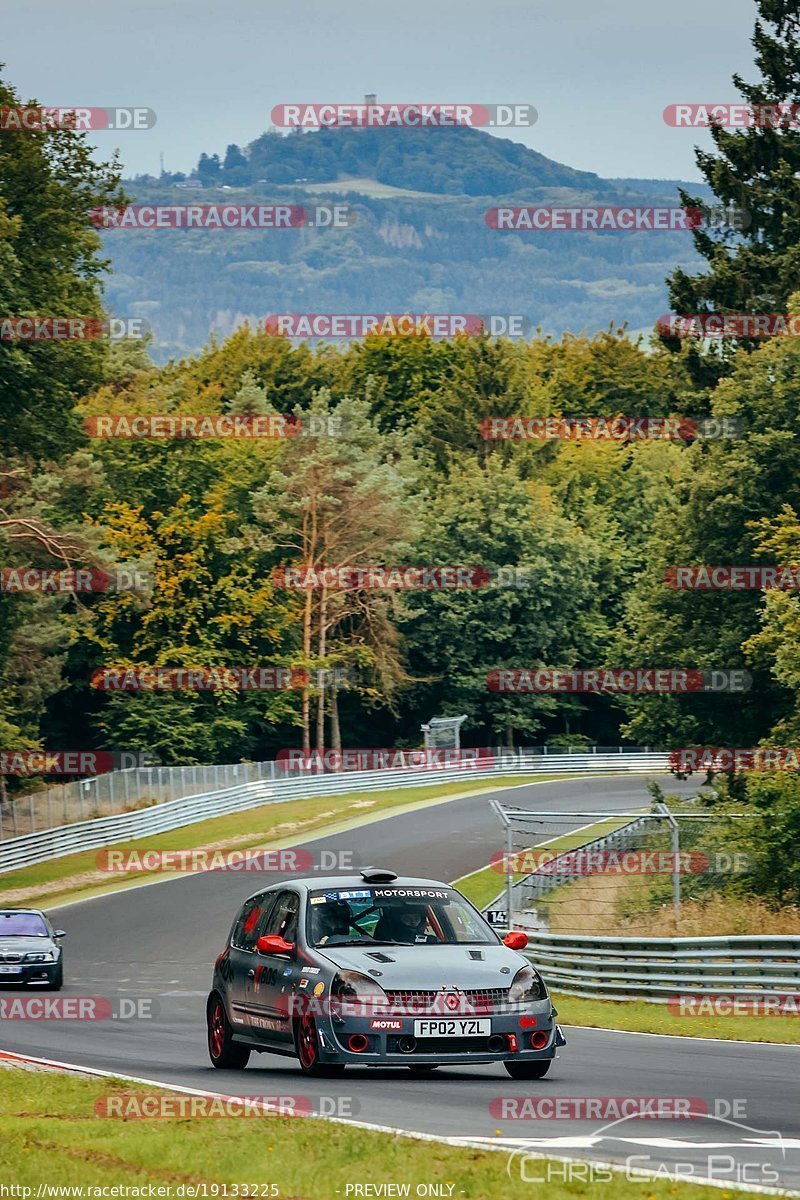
{"points": [[599, 74]]}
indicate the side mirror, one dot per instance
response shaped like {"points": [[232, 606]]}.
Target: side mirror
{"points": [[59, 933], [272, 944], [515, 940]]}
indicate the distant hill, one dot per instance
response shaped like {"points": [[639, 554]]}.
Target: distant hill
{"points": [[420, 242]]}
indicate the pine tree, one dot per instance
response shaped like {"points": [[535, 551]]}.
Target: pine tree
{"points": [[756, 169]]}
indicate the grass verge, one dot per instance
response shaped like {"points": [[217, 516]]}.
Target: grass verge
{"points": [[77, 876], [640, 1016], [633, 1016], [50, 1135]]}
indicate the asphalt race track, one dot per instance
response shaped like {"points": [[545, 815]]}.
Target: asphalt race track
{"points": [[158, 942]]}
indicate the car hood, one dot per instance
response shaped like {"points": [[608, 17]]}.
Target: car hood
{"points": [[23, 945], [404, 968]]}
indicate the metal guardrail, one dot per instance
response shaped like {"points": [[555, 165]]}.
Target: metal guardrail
{"points": [[158, 818], [139, 786], [656, 969]]}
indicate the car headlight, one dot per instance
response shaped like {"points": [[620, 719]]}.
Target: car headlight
{"points": [[358, 992], [41, 956], [527, 985]]}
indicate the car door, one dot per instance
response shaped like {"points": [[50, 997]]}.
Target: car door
{"points": [[241, 954], [272, 978]]}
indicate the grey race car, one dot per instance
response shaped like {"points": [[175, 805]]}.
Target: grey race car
{"points": [[376, 970]]}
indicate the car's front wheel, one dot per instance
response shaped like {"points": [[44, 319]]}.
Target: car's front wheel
{"points": [[306, 1040], [223, 1051], [528, 1070], [57, 981]]}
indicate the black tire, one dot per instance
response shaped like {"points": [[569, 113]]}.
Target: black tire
{"points": [[528, 1070], [58, 978], [224, 1052], [306, 1042]]}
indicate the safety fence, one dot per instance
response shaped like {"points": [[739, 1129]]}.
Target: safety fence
{"points": [[91, 834], [660, 969], [140, 786]]}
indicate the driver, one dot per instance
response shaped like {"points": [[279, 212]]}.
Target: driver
{"points": [[331, 920], [406, 924]]}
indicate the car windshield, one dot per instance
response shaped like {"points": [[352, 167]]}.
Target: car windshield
{"points": [[22, 923], [394, 916]]}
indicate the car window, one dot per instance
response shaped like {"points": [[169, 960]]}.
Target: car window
{"points": [[395, 914], [246, 929], [282, 920], [22, 924]]}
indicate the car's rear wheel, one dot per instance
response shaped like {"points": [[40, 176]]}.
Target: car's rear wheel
{"points": [[223, 1051], [528, 1070], [306, 1040]]}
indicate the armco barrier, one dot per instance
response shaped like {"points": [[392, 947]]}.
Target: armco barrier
{"points": [[158, 818], [655, 969]]}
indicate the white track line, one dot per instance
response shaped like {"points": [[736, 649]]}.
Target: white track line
{"points": [[8, 1058]]}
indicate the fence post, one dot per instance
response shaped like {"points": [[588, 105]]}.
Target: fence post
{"points": [[676, 864]]}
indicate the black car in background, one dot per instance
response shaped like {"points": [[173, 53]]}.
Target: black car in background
{"points": [[30, 949]]}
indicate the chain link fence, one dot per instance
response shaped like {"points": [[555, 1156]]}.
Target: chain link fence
{"points": [[139, 787]]}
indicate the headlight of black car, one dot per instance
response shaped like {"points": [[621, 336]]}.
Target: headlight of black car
{"points": [[41, 956], [528, 985]]}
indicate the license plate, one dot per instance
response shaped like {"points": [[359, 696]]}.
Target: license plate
{"points": [[461, 1027], [10, 970]]}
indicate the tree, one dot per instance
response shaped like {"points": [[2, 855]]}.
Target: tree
{"points": [[336, 501], [757, 169], [546, 616], [50, 266], [209, 168]]}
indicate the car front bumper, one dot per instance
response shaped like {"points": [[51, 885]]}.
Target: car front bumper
{"points": [[43, 974], [525, 1036]]}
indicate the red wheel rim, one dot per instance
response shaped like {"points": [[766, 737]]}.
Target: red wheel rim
{"points": [[216, 1030], [308, 1041]]}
